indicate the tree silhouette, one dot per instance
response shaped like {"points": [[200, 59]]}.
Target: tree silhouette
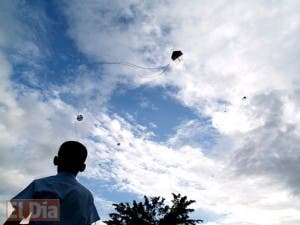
{"points": [[154, 211]]}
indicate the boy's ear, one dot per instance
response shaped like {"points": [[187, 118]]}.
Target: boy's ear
{"points": [[82, 167], [55, 161]]}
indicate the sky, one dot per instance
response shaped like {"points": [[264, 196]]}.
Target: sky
{"points": [[185, 130]]}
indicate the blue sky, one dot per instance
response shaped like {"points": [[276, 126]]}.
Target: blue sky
{"points": [[186, 130]]}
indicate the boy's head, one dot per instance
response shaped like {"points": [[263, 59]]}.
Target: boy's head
{"points": [[71, 157]]}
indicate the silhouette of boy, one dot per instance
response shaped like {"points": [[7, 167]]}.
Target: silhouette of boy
{"points": [[76, 201]]}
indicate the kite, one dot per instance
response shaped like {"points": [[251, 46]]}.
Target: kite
{"points": [[80, 117], [176, 55]]}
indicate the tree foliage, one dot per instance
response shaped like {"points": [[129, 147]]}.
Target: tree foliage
{"points": [[154, 211]]}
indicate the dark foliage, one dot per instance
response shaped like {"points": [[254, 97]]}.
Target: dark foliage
{"points": [[153, 211]]}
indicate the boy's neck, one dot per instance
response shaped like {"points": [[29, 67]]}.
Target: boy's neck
{"points": [[67, 172]]}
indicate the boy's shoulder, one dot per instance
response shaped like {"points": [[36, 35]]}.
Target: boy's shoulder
{"points": [[62, 184]]}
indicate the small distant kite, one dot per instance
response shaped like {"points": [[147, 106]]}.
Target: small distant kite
{"points": [[244, 98], [80, 117], [118, 143]]}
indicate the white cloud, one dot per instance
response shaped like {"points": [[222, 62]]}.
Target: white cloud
{"points": [[195, 133]]}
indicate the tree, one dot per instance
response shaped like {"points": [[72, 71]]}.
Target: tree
{"points": [[154, 211]]}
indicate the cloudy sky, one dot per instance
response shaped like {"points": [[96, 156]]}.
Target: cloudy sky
{"points": [[187, 130]]}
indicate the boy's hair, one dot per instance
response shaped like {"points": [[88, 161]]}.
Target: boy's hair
{"points": [[71, 156]]}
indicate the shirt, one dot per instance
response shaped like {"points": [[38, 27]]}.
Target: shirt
{"points": [[76, 201]]}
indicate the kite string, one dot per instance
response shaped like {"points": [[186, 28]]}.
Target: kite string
{"points": [[156, 75], [75, 129], [133, 65]]}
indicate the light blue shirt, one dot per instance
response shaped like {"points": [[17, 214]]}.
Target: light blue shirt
{"points": [[76, 201]]}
